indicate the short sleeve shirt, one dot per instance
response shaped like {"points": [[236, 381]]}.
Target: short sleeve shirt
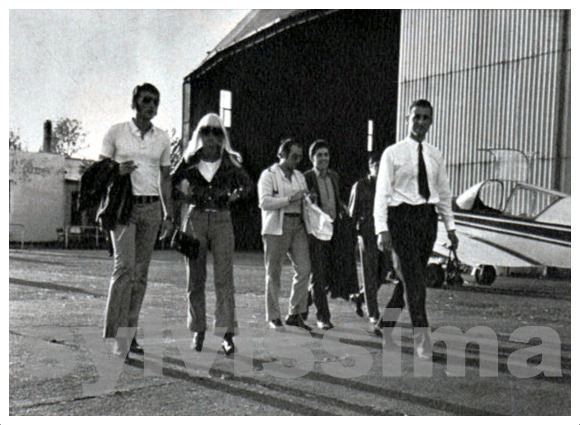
{"points": [[123, 142]]}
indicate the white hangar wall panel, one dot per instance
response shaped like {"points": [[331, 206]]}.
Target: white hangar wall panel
{"points": [[496, 78]]}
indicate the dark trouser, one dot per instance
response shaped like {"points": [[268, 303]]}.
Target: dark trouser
{"points": [[320, 257], [373, 264], [413, 230]]}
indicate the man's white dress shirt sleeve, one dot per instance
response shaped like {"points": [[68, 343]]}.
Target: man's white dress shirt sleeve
{"points": [[383, 193], [443, 189]]}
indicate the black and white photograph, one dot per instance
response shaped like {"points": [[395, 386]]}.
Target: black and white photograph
{"points": [[290, 212]]}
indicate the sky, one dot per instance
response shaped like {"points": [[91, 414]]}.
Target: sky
{"points": [[84, 64]]}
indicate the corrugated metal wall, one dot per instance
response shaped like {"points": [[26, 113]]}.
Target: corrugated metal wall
{"points": [[496, 78]]}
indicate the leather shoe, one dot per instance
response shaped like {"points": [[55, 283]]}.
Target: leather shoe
{"points": [[228, 343], [324, 325], [276, 324], [296, 320], [377, 329], [358, 300], [423, 345], [135, 347], [197, 343]]}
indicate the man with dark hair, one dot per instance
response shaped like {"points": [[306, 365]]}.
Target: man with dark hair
{"points": [[412, 189], [281, 191], [140, 151], [327, 256], [374, 263]]}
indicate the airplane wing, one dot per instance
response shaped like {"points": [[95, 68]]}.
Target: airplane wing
{"points": [[474, 250]]}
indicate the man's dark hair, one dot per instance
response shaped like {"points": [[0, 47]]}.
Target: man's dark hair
{"points": [[374, 157], [286, 146], [316, 145], [423, 103], [142, 88]]}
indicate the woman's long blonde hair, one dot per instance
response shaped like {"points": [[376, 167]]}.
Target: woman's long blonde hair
{"points": [[195, 143]]}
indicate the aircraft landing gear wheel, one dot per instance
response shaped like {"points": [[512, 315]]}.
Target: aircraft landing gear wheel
{"points": [[435, 275], [485, 275]]}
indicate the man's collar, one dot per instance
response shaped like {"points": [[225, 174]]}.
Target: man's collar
{"points": [[410, 138], [135, 129], [281, 170], [317, 172]]}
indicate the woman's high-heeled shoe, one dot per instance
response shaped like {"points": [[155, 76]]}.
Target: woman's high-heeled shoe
{"points": [[228, 343], [197, 343]]}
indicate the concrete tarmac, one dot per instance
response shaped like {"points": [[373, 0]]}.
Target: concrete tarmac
{"points": [[60, 365]]}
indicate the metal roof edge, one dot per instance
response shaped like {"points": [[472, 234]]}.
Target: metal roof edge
{"points": [[258, 36]]}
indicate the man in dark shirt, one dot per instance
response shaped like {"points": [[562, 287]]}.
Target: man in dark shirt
{"points": [[374, 262], [332, 271]]}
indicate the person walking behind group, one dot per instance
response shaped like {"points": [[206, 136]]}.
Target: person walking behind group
{"points": [[412, 188], [281, 191], [141, 150], [215, 178], [374, 262]]}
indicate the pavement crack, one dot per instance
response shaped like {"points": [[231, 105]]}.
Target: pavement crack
{"points": [[52, 286], [90, 397]]}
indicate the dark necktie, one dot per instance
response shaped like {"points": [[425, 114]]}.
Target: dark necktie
{"points": [[423, 182]]}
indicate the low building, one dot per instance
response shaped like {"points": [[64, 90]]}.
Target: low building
{"points": [[44, 189]]}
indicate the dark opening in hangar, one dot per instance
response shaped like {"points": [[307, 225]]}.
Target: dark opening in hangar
{"points": [[306, 74]]}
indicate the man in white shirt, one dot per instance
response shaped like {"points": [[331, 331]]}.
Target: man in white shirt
{"points": [[412, 189], [141, 150], [281, 191]]}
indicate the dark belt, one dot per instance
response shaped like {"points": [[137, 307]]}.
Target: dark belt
{"points": [[296, 215], [214, 209], [145, 199]]}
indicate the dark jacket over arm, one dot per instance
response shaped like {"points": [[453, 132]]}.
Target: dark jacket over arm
{"points": [[101, 183]]}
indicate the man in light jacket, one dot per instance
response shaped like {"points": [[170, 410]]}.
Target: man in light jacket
{"points": [[281, 191]]}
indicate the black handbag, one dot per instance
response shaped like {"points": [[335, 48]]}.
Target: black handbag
{"points": [[183, 242]]}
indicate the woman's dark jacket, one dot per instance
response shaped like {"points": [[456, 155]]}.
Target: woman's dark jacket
{"points": [[212, 195]]}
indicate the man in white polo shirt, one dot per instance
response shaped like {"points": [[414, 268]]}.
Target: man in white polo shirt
{"points": [[141, 150]]}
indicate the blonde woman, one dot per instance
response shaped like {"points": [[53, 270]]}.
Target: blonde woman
{"points": [[214, 178]]}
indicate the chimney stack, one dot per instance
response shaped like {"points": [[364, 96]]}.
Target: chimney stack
{"points": [[47, 136]]}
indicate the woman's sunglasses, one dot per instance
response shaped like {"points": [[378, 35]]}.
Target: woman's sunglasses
{"points": [[214, 131]]}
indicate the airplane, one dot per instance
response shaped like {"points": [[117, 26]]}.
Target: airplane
{"points": [[505, 222]]}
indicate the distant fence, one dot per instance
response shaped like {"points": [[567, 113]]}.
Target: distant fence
{"points": [[83, 236]]}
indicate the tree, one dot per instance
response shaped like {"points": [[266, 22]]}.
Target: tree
{"points": [[176, 148], [15, 142], [68, 137]]}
